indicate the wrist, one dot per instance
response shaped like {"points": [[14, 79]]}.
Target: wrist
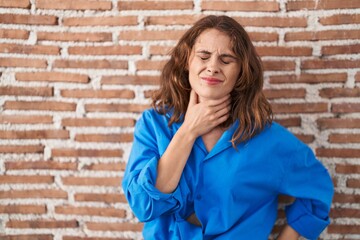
{"points": [[186, 133]]}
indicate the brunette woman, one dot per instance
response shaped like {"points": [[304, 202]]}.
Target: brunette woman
{"points": [[207, 160]]}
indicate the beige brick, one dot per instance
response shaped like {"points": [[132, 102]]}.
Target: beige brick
{"points": [[129, 79], [322, 35], [339, 92], [160, 50], [310, 78], [106, 50], [90, 211], [155, 5], [98, 122], [22, 209], [263, 37], [300, 107], [74, 5], [40, 105], [340, 19], [272, 21], [345, 107], [151, 35], [15, 4], [74, 37], [28, 19], [25, 119], [29, 49], [45, 165], [258, 6], [150, 65], [52, 77], [344, 138], [28, 237], [285, 93], [92, 181], [35, 134], [103, 107], [38, 224], [93, 64], [278, 65], [172, 20], [14, 33], [331, 64], [125, 137], [284, 51], [125, 93], [343, 49], [338, 152], [119, 166], [104, 226], [100, 197], [22, 62], [321, 4], [69, 152], [289, 122], [38, 194], [26, 91], [21, 179], [327, 123], [21, 148], [101, 21]]}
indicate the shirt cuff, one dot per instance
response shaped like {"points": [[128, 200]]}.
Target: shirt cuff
{"points": [[300, 218], [147, 179]]}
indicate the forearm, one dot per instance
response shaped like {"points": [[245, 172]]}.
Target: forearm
{"points": [[288, 233], [172, 163]]}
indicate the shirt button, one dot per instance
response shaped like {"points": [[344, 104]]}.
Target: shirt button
{"points": [[198, 197]]}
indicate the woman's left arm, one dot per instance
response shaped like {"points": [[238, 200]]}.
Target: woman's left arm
{"points": [[288, 233], [309, 182]]}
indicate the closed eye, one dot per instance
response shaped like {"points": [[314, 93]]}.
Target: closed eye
{"points": [[227, 59], [224, 61], [204, 58]]}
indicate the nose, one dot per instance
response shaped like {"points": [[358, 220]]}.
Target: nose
{"points": [[212, 66]]}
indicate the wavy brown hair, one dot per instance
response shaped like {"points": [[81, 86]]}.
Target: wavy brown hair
{"points": [[248, 103]]}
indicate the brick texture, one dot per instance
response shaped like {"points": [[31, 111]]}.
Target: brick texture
{"points": [[76, 75]]}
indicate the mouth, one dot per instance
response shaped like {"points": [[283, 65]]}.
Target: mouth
{"points": [[211, 81]]}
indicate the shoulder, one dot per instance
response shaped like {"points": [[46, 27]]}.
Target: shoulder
{"points": [[278, 131], [154, 123], [151, 116], [278, 138]]}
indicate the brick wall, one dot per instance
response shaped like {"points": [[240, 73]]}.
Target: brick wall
{"points": [[75, 76]]}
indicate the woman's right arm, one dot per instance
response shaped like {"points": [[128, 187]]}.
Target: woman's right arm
{"points": [[200, 118], [150, 180]]}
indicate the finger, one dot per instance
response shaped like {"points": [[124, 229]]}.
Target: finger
{"points": [[222, 119], [222, 112], [224, 105]]}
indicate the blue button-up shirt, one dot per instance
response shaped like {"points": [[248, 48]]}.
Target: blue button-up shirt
{"points": [[234, 192]]}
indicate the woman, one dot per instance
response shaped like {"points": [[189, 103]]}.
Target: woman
{"points": [[207, 161]]}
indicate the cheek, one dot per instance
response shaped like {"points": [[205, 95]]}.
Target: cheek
{"points": [[195, 65], [233, 77]]}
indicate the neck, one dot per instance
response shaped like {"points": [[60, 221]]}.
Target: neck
{"points": [[202, 99]]}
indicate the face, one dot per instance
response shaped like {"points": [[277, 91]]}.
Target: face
{"points": [[213, 66]]}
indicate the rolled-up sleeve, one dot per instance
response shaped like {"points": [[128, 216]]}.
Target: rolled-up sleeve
{"points": [[309, 182], [146, 201]]}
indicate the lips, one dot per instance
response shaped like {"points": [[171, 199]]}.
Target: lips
{"points": [[211, 81]]}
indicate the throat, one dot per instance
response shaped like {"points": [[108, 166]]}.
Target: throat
{"points": [[211, 138]]}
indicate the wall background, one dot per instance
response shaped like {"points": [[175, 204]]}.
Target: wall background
{"points": [[75, 76]]}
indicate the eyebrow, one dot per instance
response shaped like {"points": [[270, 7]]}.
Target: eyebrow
{"points": [[222, 55]]}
